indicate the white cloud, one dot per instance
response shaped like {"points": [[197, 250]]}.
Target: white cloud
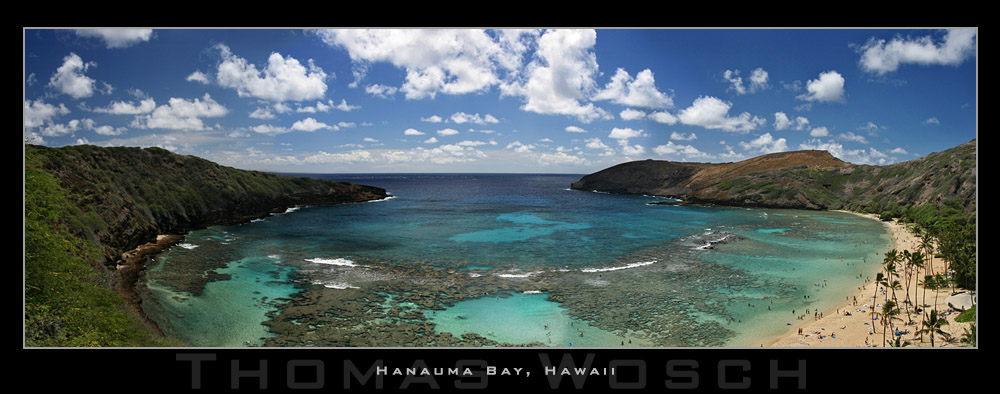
{"points": [[758, 80], [596, 143], [663, 117], [561, 76], [631, 114], [412, 132], [782, 122], [575, 129], [462, 117], [670, 148], [128, 108], [432, 119], [270, 130], [262, 113], [765, 144], [36, 113], [561, 158], [445, 132], [849, 136], [517, 146], [682, 137], [881, 56], [638, 92], [819, 132], [899, 151], [857, 156], [713, 113], [630, 150], [932, 121], [382, 91], [198, 76], [69, 78], [343, 106], [181, 114], [626, 133], [282, 79], [118, 38], [829, 87], [450, 61], [431, 140], [310, 124]]}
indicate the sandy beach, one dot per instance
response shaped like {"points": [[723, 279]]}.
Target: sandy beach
{"points": [[837, 329]]}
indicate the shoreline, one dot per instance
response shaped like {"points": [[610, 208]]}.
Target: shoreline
{"points": [[838, 330]]}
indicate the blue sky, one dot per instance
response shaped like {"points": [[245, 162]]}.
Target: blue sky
{"points": [[533, 100]]}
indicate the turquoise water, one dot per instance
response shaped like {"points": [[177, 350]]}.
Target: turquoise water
{"points": [[614, 248]]}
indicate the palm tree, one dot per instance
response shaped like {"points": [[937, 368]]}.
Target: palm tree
{"points": [[969, 337], [913, 261], [927, 243], [934, 325], [889, 311]]}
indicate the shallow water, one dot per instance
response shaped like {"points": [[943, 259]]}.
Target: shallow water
{"points": [[610, 265]]}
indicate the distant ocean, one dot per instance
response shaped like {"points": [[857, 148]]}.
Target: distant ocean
{"points": [[614, 265]]}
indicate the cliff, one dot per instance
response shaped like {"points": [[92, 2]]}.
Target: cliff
{"points": [[93, 214], [802, 180]]}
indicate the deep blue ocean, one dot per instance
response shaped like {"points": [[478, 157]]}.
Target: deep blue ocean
{"points": [[516, 225]]}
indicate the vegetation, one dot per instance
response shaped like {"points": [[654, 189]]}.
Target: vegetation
{"points": [[67, 300], [84, 206]]}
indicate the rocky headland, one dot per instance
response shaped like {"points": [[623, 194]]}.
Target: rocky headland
{"points": [[809, 179], [113, 205]]}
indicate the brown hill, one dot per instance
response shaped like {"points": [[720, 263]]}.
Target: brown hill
{"points": [[801, 180]]}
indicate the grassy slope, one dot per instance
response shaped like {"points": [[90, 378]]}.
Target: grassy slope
{"points": [[84, 206]]}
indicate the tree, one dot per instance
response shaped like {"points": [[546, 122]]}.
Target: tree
{"points": [[933, 324], [889, 312]]}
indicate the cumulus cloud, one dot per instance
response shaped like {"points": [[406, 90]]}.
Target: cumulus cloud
{"points": [[561, 158], [198, 76], [36, 113], [560, 77], [382, 91], [857, 156], [118, 38], [850, 136], [575, 129], [128, 108], [431, 140], [445, 132], [819, 132], [282, 79], [310, 124], [626, 133], [412, 131], [782, 122], [631, 114], [688, 151], [765, 144], [758, 80], [517, 146], [270, 130], [880, 56], [638, 92], [596, 143], [181, 114], [432, 119], [462, 117], [69, 78], [829, 87], [713, 113], [663, 117], [932, 120], [682, 137], [449, 61]]}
